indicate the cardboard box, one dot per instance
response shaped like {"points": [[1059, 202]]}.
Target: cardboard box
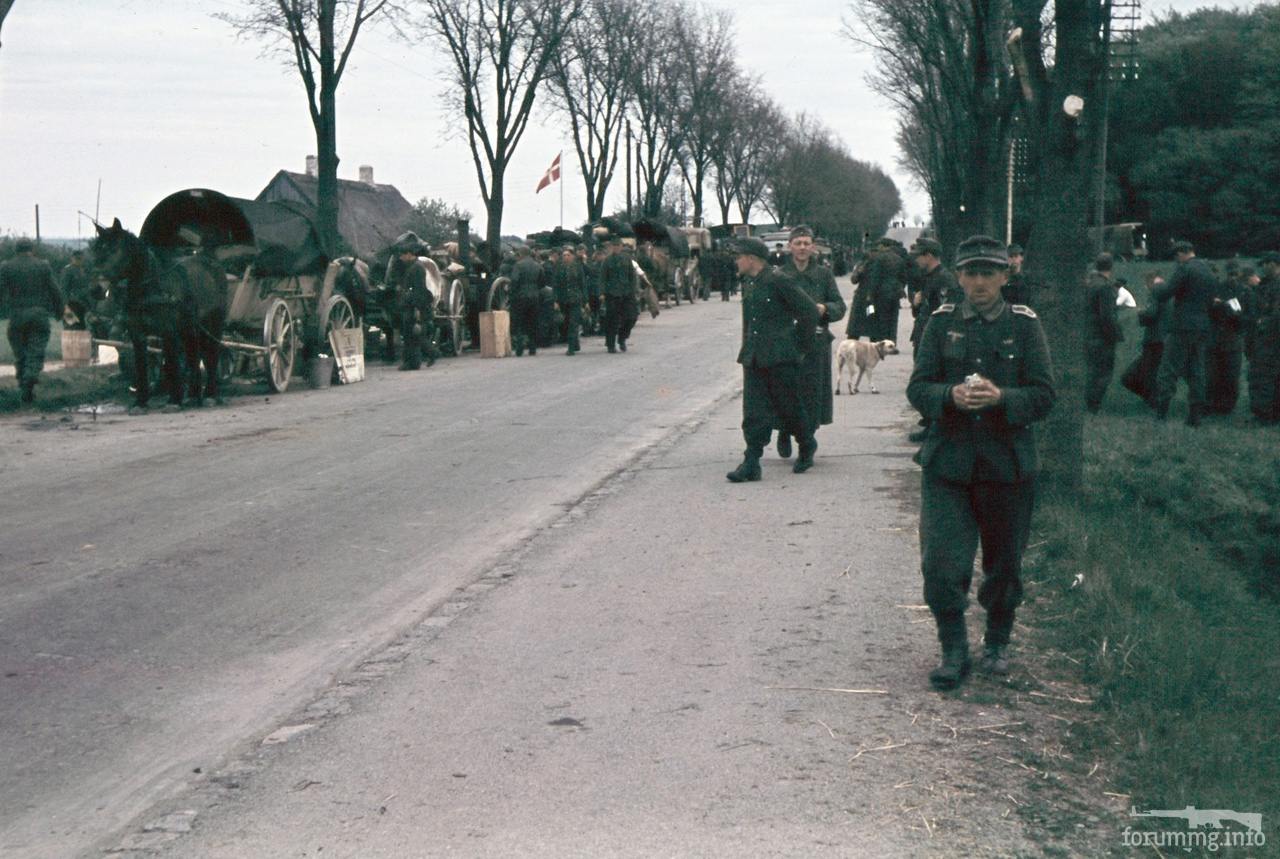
{"points": [[495, 334]]}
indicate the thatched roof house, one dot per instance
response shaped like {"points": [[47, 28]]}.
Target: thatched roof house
{"points": [[370, 216]]}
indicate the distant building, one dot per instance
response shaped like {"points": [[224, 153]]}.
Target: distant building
{"points": [[370, 216]]}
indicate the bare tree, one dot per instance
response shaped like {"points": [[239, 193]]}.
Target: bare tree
{"points": [[5, 6], [942, 63], [703, 64], [318, 35], [660, 103], [753, 140], [502, 53], [593, 76], [1061, 80]]}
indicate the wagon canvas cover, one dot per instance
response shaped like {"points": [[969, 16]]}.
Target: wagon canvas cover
{"points": [[281, 236]]}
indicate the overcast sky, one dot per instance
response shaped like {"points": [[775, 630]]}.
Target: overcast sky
{"points": [[151, 98]]}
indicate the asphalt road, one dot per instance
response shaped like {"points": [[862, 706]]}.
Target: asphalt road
{"points": [[495, 608]]}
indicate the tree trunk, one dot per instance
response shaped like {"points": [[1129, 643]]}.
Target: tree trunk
{"points": [[493, 229], [327, 138]]}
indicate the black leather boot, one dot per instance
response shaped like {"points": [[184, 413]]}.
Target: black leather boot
{"points": [[804, 461], [955, 665], [784, 445], [995, 660], [748, 471]]}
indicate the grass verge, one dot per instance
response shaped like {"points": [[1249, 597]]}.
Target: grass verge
{"points": [[1176, 619]]}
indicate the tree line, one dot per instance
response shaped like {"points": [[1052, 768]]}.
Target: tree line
{"points": [[1194, 144], [651, 94]]}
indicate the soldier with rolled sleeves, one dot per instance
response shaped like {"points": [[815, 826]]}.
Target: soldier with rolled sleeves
{"points": [[982, 377], [820, 284], [1102, 330], [1264, 363], [31, 298], [1192, 289], [778, 320], [416, 306]]}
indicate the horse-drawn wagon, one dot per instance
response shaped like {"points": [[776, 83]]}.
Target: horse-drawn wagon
{"points": [[664, 253], [234, 282]]}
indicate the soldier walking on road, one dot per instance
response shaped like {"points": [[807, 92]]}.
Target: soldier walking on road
{"points": [[1192, 289], [526, 298], [982, 377], [571, 293], [618, 285], [820, 284], [1102, 331], [417, 308], [31, 298], [778, 319]]}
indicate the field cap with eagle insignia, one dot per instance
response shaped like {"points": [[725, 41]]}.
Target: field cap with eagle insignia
{"points": [[982, 250]]}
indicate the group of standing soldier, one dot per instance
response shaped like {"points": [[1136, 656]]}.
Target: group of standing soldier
{"points": [[1199, 325], [597, 293]]}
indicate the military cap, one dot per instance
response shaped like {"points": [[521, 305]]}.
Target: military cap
{"points": [[981, 249], [926, 245], [409, 243], [750, 247], [1272, 257], [801, 231], [1015, 251], [1183, 247], [23, 245]]}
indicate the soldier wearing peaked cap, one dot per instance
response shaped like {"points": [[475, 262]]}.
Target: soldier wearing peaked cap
{"points": [[778, 323], [820, 284], [982, 377], [1192, 288]]}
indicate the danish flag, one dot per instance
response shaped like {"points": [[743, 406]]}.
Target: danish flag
{"points": [[552, 175]]}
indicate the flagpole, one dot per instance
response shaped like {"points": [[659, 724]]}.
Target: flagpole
{"points": [[560, 158]]}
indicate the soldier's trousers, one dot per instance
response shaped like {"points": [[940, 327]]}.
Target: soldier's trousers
{"points": [[954, 519], [620, 313], [769, 395], [572, 325], [28, 338], [524, 324], [416, 345], [1183, 358], [1222, 380], [1264, 383], [1100, 363]]}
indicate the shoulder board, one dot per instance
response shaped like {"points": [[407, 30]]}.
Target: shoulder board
{"points": [[1023, 310], [944, 308]]}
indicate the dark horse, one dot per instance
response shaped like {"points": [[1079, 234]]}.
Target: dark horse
{"points": [[180, 303]]}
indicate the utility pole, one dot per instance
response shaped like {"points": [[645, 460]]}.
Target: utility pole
{"points": [[628, 169], [1120, 36]]}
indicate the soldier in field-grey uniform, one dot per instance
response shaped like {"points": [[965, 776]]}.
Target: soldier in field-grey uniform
{"points": [[982, 377]]}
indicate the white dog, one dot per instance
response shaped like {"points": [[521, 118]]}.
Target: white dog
{"points": [[862, 356]]}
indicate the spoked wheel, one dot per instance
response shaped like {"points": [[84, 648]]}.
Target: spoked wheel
{"points": [[281, 340], [455, 314], [338, 315], [499, 297]]}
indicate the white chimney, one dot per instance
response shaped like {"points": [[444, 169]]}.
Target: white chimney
{"points": [[366, 174], [313, 166]]}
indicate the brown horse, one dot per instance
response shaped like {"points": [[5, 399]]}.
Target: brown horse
{"points": [[182, 303]]}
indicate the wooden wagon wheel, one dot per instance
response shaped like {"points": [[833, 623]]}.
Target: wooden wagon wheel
{"points": [[280, 338], [499, 297], [456, 313]]}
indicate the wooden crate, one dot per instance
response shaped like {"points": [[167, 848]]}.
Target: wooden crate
{"points": [[77, 348], [495, 334]]}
